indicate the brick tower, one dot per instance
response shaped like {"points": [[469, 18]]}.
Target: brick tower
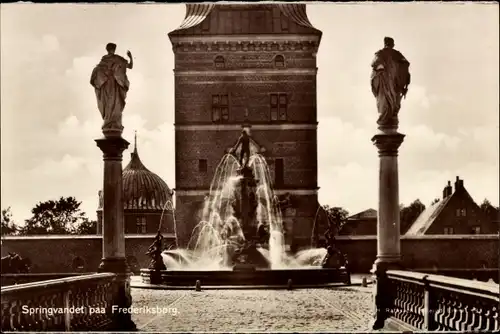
{"points": [[249, 65]]}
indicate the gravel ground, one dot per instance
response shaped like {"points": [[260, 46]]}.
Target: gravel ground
{"points": [[337, 309]]}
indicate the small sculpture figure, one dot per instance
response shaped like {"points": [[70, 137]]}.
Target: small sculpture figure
{"points": [[109, 79], [244, 141], [334, 257], [154, 251], [389, 82]]}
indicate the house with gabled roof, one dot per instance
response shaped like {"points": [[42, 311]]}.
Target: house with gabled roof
{"points": [[455, 213], [362, 223]]}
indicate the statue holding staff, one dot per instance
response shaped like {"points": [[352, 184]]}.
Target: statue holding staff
{"points": [[109, 79], [389, 82]]}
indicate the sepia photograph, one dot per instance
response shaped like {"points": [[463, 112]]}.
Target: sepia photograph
{"points": [[246, 166]]}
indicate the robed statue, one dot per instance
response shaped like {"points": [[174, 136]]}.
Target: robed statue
{"points": [[389, 82], [109, 79]]}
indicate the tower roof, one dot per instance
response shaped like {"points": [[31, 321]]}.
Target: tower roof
{"points": [[245, 19], [143, 189]]}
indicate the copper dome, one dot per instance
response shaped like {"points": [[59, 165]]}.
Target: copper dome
{"points": [[142, 189]]}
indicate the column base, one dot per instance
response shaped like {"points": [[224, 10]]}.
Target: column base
{"points": [[114, 265], [122, 298], [386, 262], [384, 293]]}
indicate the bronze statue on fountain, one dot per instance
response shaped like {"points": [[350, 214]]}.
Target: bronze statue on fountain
{"points": [[156, 264], [334, 257], [245, 206]]}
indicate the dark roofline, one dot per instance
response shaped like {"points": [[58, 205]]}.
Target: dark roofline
{"points": [[197, 13]]}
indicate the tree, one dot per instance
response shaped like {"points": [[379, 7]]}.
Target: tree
{"points": [[87, 227], [63, 216], [324, 216], [337, 215], [8, 225], [489, 210], [409, 214]]}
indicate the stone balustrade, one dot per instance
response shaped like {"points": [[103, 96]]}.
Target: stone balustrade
{"points": [[23, 278], [82, 303], [433, 302]]}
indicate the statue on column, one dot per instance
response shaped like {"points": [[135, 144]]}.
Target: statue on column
{"points": [[389, 82], [109, 79], [244, 141]]}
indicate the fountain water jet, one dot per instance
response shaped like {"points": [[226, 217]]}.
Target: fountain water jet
{"points": [[242, 228]]}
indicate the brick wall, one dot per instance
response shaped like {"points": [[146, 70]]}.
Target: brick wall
{"points": [[297, 148], [361, 226], [56, 254], [247, 60], [193, 97]]}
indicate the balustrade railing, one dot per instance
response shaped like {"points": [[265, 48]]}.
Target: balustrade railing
{"points": [[23, 278], [82, 303], [434, 302]]}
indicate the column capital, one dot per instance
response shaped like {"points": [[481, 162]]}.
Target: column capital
{"points": [[112, 147], [388, 143]]}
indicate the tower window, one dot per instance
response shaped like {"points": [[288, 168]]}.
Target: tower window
{"points": [[219, 62], [279, 61], [220, 108], [141, 226], [278, 173], [279, 106], [476, 230], [202, 165]]}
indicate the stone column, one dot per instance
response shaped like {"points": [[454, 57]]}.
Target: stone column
{"points": [[388, 243], [113, 234]]}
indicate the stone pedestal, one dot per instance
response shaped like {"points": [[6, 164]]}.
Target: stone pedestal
{"points": [[388, 233], [113, 233]]}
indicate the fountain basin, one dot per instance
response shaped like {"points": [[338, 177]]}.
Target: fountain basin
{"points": [[310, 276]]}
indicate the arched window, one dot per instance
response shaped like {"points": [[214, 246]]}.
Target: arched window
{"points": [[219, 62], [279, 61], [78, 264]]}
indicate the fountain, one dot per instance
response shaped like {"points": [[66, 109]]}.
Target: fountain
{"points": [[240, 239]]}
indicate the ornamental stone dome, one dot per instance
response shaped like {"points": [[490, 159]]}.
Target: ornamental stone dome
{"points": [[142, 189]]}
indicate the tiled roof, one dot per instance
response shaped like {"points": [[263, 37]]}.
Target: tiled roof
{"points": [[230, 19], [426, 218], [367, 214]]}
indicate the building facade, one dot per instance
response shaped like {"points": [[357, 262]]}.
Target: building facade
{"points": [[362, 223], [147, 201], [248, 65], [455, 213]]}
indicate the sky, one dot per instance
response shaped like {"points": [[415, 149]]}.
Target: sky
{"points": [[49, 116]]}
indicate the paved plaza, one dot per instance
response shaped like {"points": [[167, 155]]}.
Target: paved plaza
{"points": [[337, 309]]}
